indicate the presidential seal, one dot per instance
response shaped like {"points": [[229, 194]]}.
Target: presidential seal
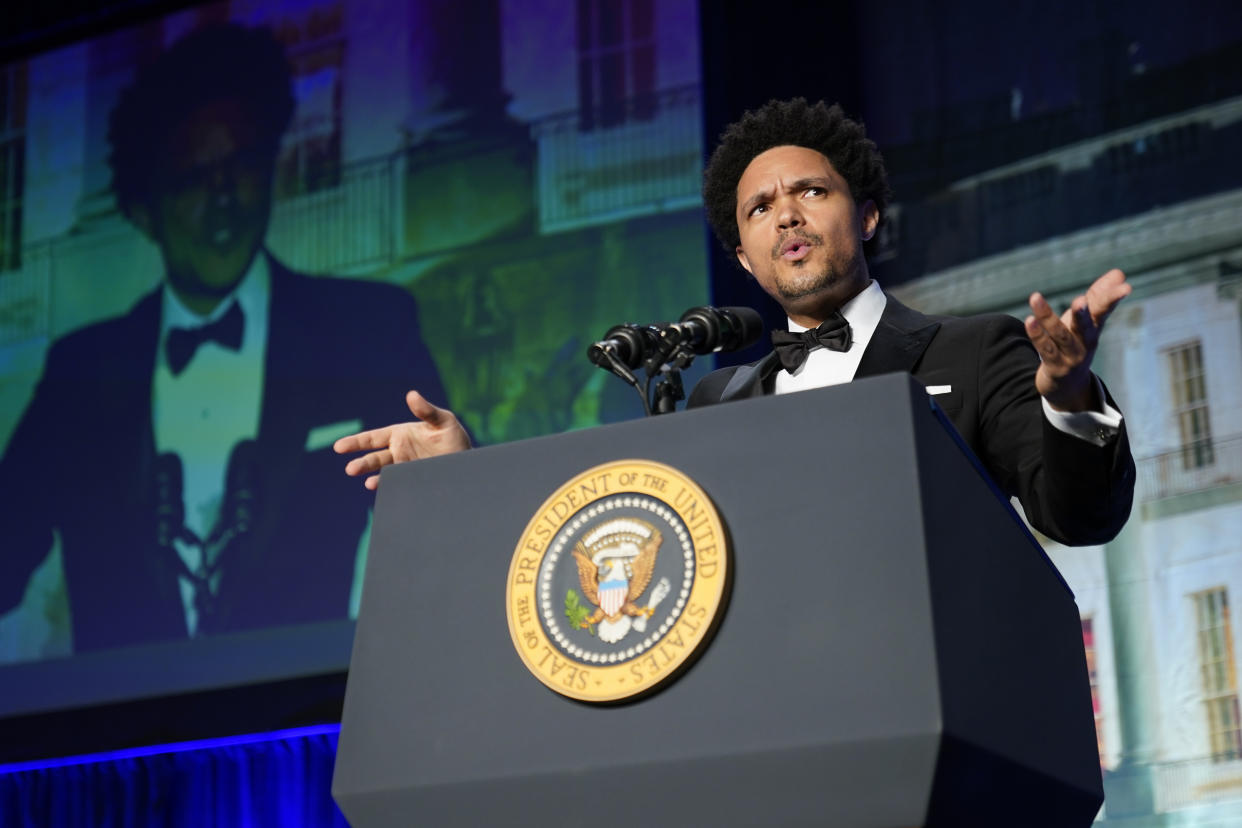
{"points": [[617, 581]]}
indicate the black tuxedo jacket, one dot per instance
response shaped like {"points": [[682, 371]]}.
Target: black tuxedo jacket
{"points": [[1071, 490], [82, 463]]}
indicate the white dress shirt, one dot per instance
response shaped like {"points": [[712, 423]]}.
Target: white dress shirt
{"points": [[824, 367], [213, 404]]}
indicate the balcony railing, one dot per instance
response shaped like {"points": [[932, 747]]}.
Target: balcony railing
{"points": [[347, 229], [351, 227], [1196, 782], [24, 297], [648, 162], [651, 162], [1205, 465]]}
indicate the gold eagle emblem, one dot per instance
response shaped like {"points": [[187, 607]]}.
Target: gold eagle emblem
{"points": [[615, 565]]}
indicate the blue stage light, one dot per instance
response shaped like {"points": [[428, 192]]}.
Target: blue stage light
{"points": [[172, 747]]}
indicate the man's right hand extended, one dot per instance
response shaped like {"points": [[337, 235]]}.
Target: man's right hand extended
{"points": [[435, 432]]}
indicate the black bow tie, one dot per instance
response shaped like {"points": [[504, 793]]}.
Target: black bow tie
{"points": [[183, 342], [792, 348]]}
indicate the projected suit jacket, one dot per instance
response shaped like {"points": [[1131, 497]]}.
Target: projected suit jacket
{"points": [[1071, 490], [82, 462]]}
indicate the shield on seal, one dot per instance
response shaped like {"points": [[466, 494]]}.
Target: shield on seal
{"points": [[612, 596]]}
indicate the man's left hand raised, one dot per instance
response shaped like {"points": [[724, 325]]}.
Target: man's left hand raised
{"points": [[1067, 343]]}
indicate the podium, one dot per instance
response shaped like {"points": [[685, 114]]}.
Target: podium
{"points": [[896, 649]]}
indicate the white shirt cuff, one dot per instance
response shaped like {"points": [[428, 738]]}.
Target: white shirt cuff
{"points": [[1096, 427]]}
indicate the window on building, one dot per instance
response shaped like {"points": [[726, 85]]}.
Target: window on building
{"points": [[616, 62], [1219, 673], [12, 163], [1088, 644], [1190, 405], [310, 156]]}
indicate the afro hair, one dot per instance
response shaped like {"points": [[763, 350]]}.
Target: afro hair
{"points": [[223, 61], [790, 123]]}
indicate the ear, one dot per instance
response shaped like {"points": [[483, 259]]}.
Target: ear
{"points": [[742, 260], [870, 216]]}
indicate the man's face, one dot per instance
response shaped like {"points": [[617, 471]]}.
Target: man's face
{"points": [[802, 233], [210, 209]]}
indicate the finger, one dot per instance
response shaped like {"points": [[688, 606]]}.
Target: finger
{"points": [[364, 440], [1081, 324], [1053, 326], [1042, 310], [1077, 318], [372, 482], [1105, 293], [1051, 352], [368, 463], [1039, 338], [421, 408]]}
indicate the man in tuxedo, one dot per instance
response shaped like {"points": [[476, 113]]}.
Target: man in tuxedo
{"points": [[795, 191], [182, 452]]}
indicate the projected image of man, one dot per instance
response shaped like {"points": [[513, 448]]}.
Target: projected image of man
{"points": [[182, 451]]}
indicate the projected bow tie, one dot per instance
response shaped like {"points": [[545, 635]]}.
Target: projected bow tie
{"points": [[183, 342], [792, 348]]}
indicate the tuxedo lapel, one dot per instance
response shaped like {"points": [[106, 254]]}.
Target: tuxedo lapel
{"points": [[899, 341], [153, 608], [286, 389], [753, 380], [126, 398], [139, 364], [284, 347]]}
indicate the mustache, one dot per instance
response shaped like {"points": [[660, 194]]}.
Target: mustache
{"points": [[810, 238]]}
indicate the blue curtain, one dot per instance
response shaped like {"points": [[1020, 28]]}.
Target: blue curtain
{"points": [[259, 780]]}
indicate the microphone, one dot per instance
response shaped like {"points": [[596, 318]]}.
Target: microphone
{"points": [[702, 330], [169, 503], [237, 513], [629, 343], [708, 330], [238, 505]]}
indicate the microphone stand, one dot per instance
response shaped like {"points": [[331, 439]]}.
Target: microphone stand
{"points": [[669, 360], [670, 389], [666, 362]]}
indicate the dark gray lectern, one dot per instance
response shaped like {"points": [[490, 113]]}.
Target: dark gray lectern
{"points": [[897, 650]]}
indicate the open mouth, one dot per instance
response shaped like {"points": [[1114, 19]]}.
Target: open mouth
{"points": [[795, 249]]}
